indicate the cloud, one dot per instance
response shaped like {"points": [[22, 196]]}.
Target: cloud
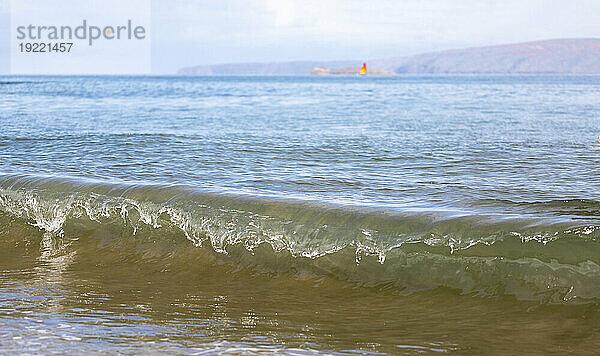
{"points": [[283, 10]]}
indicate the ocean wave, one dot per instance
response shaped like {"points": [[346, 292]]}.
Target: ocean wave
{"points": [[532, 258]]}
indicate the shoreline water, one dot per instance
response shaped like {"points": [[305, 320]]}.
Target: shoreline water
{"points": [[299, 215]]}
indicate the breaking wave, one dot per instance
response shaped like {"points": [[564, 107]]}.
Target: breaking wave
{"points": [[529, 257]]}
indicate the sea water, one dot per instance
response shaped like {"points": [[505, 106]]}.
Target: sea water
{"points": [[341, 215]]}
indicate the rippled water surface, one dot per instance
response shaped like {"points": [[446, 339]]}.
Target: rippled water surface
{"points": [[339, 215]]}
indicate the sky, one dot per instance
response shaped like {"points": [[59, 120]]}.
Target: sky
{"points": [[196, 32], [210, 32], [4, 37]]}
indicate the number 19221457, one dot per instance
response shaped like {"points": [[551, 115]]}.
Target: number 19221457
{"points": [[41, 47]]}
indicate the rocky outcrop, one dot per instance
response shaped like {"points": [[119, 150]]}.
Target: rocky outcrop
{"points": [[350, 70]]}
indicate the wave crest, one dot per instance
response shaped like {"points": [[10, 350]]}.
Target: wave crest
{"points": [[529, 258]]}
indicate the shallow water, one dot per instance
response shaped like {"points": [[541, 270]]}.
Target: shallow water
{"points": [[300, 214]]}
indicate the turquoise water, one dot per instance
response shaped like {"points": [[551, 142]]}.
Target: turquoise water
{"points": [[300, 214]]}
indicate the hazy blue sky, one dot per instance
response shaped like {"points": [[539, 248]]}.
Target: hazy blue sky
{"points": [[190, 32], [205, 32], [4, 37]]}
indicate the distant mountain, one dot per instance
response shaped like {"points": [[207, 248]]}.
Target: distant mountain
{"points": [[551, 56]]}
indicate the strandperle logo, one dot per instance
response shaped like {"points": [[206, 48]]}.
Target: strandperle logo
{"points": [[82, 32]]}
